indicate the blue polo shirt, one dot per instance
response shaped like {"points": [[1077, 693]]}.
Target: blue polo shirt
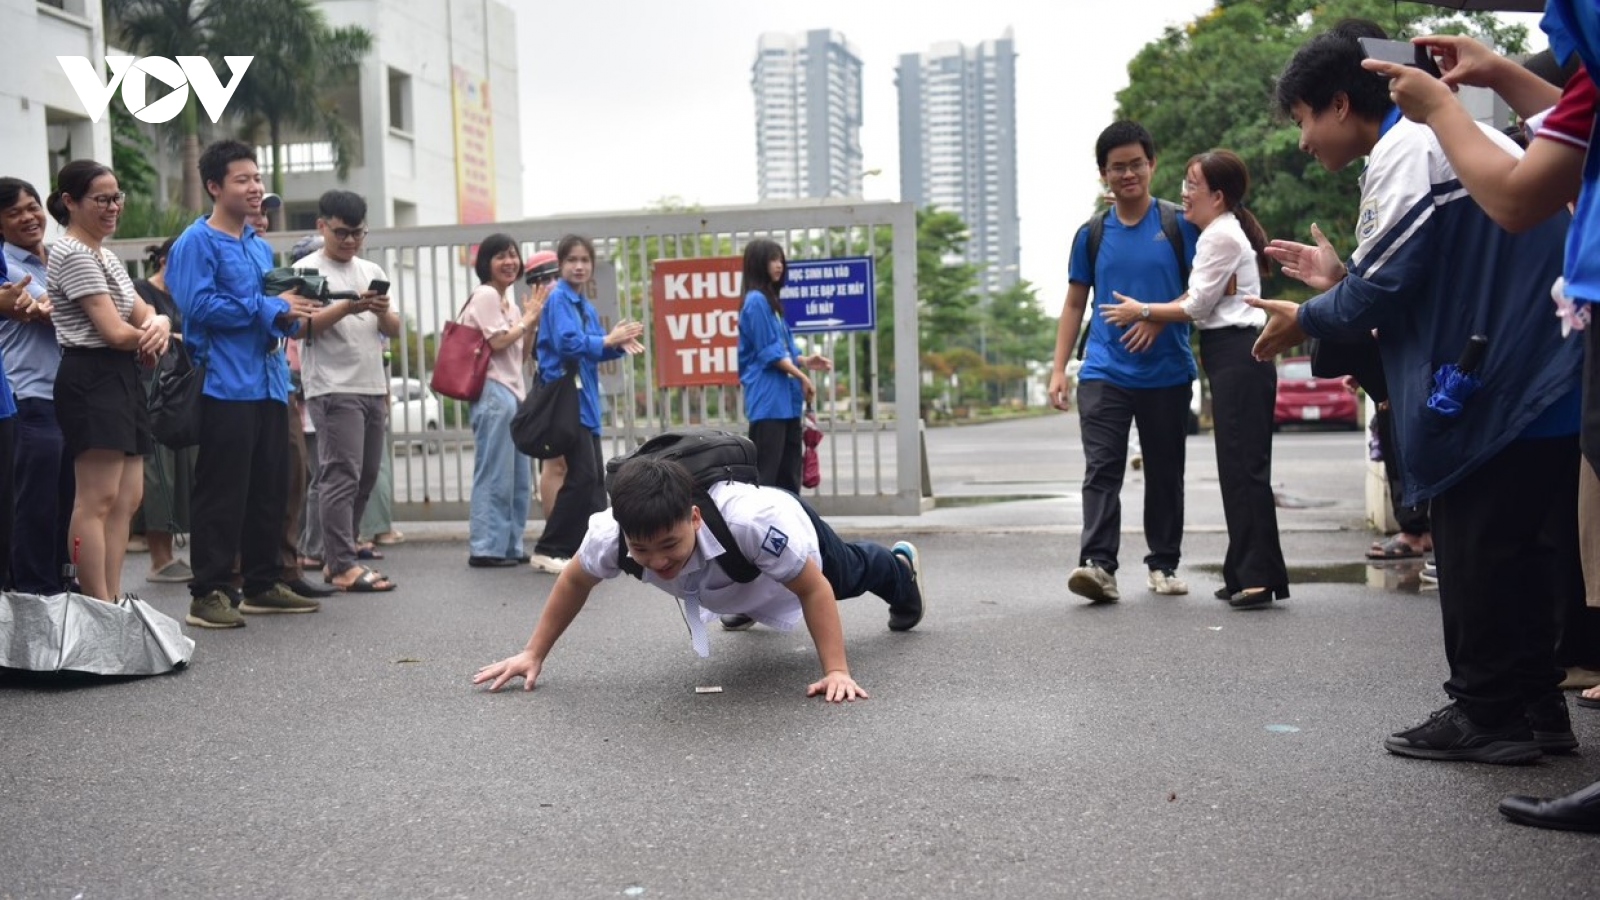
{"points": [[31, 354], [229, 325], [1136, 261]]}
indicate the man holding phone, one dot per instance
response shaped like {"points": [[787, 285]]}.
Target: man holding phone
{"points": [[346, 385]]}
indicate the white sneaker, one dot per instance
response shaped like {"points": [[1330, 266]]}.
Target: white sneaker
{"points": [[1163, 581], [1089, 580], [552, 564]]}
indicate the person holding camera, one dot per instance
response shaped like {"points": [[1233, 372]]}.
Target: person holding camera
{"points": [[347, 387], [233, 329]]}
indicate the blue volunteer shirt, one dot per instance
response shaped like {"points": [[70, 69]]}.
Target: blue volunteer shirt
{"points": [[764, 340], [1138, 262], [29, 349], [229, 325], [570, 330]]}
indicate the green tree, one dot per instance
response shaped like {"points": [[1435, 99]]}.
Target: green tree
{"points": [[173, 28], [1209, 84], [1017, 332]]}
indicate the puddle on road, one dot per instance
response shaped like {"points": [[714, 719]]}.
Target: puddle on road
{"points": [[1405, 577]]}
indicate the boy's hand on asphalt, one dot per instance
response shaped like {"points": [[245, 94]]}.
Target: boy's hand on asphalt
{"points": [[837, 687], [522, 665]]}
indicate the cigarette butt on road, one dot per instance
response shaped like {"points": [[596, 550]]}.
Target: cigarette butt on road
{"points": [[708, 689]]}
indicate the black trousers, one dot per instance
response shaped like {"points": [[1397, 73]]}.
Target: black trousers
{"points": [[45, 488], [1506, 539], [1243, 395], [582, 494], [1413, 520], [778, 452], [8, 496], [241, 492], [1105, 414]]}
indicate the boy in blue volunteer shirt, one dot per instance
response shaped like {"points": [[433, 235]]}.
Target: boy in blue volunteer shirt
{"points": [[1430, 271], [235, 332], [803, 566], [1142, 373]]}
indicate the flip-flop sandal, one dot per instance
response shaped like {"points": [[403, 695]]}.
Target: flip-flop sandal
{"points": [[369, 553], [310, 565], [368, 582], [1587, 702], [1393, 548], [390, 538]]}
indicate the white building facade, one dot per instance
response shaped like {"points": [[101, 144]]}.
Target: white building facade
{"points": [[43, 123], [808, 116], [958, 146]]}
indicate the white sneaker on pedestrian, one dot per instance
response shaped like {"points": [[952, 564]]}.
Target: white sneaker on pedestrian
{"points": [[552, 564], [1089, 580], [1165, 581]]}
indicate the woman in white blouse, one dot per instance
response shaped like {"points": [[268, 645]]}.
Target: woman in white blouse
{"points": [[106, 331], [1228, 265]]}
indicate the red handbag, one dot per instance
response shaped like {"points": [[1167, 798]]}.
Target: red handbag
{"points": [[462, 364]]}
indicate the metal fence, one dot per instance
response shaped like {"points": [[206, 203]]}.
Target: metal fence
{"points": [[871, 459]]}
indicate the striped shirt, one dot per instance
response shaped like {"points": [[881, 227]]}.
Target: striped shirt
{"points": [[77, 273]]}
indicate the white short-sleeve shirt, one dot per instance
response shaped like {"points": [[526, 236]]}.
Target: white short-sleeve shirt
{"points": [[772, 531]]}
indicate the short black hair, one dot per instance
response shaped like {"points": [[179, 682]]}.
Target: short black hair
{"points": [[649, 496], [1120, 133], [492, 246], [12, 189], [346, 206], [216, 159], [1330, 64]]}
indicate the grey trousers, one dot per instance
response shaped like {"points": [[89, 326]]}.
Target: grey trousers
{"points": [[351, 431]]}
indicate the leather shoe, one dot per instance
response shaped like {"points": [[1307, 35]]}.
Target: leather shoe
{"points": [[490, 562], [306, 589], [1578, 811]]}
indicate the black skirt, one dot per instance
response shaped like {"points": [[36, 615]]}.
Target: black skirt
{"points": [[100, 402]]}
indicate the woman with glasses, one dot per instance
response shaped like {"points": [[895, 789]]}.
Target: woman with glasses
{"points": [[105, 330], [1228, 264]]}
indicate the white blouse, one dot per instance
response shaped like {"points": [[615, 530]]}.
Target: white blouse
{"points": [[1222, 254]]}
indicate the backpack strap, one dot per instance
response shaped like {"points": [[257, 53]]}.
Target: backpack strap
{"points": [[732, 560], [1096, 226]]}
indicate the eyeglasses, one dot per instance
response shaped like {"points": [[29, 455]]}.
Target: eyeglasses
{"points": [[349, 234], [106, 201], [1137, 167], [1189, 188]]}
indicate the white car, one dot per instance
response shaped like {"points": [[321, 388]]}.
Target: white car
{"points": [[414, 410]]}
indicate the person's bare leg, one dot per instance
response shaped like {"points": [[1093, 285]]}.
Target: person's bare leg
{"points": [[160, 549], [551, 476], [130, 493], [99, 476]]}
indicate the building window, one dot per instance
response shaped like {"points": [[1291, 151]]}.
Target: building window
{"points": [[399, 101]]}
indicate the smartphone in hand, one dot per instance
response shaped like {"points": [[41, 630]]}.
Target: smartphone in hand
{"points": [[1402, 53], [379, 287]]}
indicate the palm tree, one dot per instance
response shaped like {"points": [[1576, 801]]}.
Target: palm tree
{"points": [[299, 63], [173, 28]]}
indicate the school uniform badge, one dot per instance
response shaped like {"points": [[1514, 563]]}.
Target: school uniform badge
{"points": [[775, 541], [1367, 223]]}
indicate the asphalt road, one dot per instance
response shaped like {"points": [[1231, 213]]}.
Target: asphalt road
{"points": [[1017, 745]]}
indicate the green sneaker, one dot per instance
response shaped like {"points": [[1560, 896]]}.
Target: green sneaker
{"points": [[278, 599], [214, 610]]}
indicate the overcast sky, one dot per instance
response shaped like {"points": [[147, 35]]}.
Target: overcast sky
{"points": [[631, 101]]}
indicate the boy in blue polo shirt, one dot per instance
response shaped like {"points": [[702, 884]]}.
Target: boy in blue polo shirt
{"points": [[1142, 373]]}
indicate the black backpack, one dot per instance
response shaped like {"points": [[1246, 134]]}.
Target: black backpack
{"points": [[711, 457], [1169, 213]]}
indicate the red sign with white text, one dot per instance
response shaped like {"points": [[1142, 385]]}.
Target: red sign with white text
{"points": [[697, 321]]}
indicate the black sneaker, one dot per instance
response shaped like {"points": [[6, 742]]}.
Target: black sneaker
{"points": [[1551, 724], [737, 622], [906, 616], [1449, 735]]}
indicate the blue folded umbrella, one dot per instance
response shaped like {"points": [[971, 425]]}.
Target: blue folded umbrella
{"points": [[1452, 388]]}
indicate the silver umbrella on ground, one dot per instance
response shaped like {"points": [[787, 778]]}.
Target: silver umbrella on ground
{"points": [[74, 633]]}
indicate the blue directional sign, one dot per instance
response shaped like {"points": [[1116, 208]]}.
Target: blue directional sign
{"points": [[830, 295]]}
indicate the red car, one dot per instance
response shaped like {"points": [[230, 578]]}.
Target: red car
{"points": [[1305, 398]]}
